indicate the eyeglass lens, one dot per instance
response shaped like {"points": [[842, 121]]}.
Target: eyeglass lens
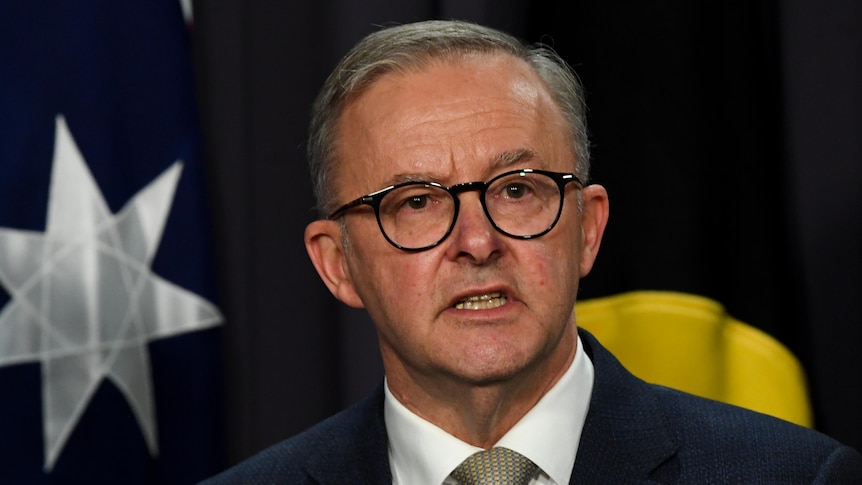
{"points": [[520, 204]]}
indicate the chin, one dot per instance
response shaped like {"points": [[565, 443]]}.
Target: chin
{"points": [[493, 367]]}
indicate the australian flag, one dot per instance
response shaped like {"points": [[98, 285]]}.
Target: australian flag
{"points": [[109, 351]]}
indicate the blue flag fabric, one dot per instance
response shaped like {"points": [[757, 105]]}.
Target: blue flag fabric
{"points": [[109, 340]]}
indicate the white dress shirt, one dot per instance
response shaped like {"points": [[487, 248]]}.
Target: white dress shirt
{"points": [[420, 453]]}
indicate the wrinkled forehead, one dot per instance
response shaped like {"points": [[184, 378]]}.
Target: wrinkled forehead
{"points": [[449, 111]]}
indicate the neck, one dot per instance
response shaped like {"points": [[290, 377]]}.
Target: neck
{"points": [[478, 413]]}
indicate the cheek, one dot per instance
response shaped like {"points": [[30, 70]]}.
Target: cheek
{"points": [[558, 269], [401, 281], [543, 272]]}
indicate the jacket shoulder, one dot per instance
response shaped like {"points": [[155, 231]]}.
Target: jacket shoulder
{"points": [[637, 429], [744, 442], [349, 447]]}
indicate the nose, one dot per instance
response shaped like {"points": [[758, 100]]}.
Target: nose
{"points": [[473, 237]]}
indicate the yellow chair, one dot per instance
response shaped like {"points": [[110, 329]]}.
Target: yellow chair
{"points": [[690, 343]]}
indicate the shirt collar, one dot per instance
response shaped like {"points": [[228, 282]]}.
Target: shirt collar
{"points": [[420, 452]]}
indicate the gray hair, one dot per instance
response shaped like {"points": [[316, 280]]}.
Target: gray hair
{"points": [[412, 46]]}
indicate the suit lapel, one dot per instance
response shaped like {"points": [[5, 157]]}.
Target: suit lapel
{"points": [[359, 450], [625, 437]]}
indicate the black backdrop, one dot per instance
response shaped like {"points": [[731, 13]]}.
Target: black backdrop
{"points": [[728, 134]]}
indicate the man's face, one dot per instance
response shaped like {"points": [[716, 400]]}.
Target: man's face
{"points": [[456, 122]]}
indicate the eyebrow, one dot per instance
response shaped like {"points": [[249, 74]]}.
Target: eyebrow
{"points": [[508, 158], [499, 161]]}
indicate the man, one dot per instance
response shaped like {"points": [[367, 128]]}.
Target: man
{"points": [[467, 251]]}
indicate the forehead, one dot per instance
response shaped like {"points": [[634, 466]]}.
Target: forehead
{"points": [[448, 119]]}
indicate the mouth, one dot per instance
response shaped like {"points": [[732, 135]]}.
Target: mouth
{"points": [[485, 301]]}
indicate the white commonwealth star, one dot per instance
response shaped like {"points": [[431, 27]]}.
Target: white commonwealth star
{"points": [[84, 301]]}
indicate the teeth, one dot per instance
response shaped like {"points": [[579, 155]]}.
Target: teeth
{"points": [[481, 302]]}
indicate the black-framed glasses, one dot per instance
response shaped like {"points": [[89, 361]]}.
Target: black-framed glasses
{"points": [[415, 216]]}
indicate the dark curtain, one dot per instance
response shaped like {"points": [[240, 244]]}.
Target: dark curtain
{"points": [[729, 137]]}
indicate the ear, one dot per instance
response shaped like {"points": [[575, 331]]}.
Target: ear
{"points": [[594, 218], [323, 242]]}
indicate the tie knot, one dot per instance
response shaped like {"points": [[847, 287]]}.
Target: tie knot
{"points": [[496, 466]]}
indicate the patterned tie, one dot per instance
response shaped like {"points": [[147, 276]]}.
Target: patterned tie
{"points": [[497, 466]]}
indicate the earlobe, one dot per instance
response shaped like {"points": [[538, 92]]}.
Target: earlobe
{"points": [[324, 246], [594, 218]]}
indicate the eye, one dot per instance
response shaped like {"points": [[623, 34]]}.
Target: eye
{"points": [[515, 190], [416, 202], [413, 199]]}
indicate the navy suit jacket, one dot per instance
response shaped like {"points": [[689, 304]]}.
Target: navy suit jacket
{"points": [[634, 433]]}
